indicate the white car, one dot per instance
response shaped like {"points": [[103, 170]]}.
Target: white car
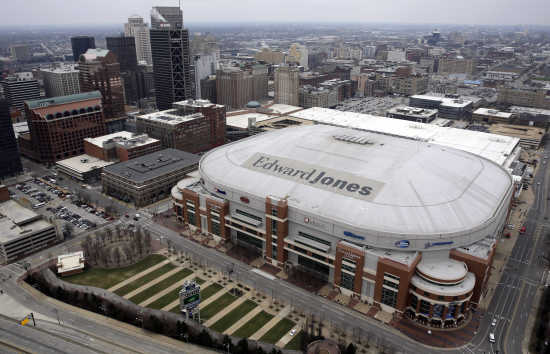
{"points": [[494, 323], [492, 337], [292, 332]]}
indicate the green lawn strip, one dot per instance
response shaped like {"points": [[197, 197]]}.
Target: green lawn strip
{"points": [[176, 309], [278, 331], [296, 342], [199, 280], [106, 278], [147, 278], [233, 316], [210, 290], [154, 289], [216, 306], [169, 298], [253, 325]]}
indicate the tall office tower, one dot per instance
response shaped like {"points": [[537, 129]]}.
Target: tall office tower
{"points": [[60, 80], [80, 45], [100, 70], [140, 31], [59, 125], [171, 57], [10, 160], [21, 52], [287, 84], [166, 17], [298, 54], [236, 87], [125, 50], [18, 89], [205, 65]]}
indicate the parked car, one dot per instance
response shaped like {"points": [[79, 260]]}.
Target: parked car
{"points": [[522, 231]]}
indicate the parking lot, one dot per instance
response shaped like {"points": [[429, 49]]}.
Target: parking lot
{"points": [[47, 198]]}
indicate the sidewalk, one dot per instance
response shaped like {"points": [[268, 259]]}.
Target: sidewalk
{"points": [[226, 310], [168, 290], [152, 283], [214, 297], [260, 332], [243, 320], [137, 276]]}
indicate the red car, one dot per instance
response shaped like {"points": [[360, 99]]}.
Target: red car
{"points": [[522, 231]]}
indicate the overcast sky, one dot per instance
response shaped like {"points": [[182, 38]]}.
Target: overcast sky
{"points": [[44, 12]]}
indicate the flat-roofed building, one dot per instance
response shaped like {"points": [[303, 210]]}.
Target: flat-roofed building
{"points": [[537, 117], [488, 115], [448, 107], [422, 115], [334, 204], [83, 167], [147, 179], [191, 125], [236, 87], [69, 264], [22, 232], [17, 90], [526, 97], [121, 146], [529, 137], [61, 80]]}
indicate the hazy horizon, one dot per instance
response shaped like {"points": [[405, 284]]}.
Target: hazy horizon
{"points": [[409, 12]]}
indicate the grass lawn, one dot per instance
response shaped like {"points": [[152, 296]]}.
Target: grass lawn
{"points": [[278, 331], [216, 306], [106, 278], [210, 290], [233, 316], [165, 300], [199, 280], [253, 325], [154, 289], [147, 278], [296, 342]]}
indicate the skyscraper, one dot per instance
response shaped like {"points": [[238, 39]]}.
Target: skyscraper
{"points": [[18, 89], [140, 31], [100, 70], [204, 65], [287, 84], [10, 160], [171, 58], [125, 50], [236, 87], [80, 45]]}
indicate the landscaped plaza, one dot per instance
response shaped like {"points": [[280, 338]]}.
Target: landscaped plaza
{"points": [[226, 305]]}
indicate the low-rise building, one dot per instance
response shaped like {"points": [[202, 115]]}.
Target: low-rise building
{"points": [[488, 115], [531, 116], [422, 115], [69, 264], [22, 232], [121, 146], [310, 96], [529, 137], [84, 168], [450, 106], [147, 179]]}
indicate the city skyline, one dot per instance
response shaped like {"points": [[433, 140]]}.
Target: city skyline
{"points": [[513, 12]]}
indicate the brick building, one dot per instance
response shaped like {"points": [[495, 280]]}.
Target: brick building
{"points": [[59, 125], [191, 125], [121, 146], [99, 70]]}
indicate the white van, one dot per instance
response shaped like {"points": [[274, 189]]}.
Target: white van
{"points": [[39, 205], [492, 337]]}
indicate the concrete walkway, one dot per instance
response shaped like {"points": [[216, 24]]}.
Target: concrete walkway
{"points": [[152, 282], [287, 337], [177, 302], [213, 298], [226, 310], [169, 289], [282, 314], [243, 320], [137, 276]]}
